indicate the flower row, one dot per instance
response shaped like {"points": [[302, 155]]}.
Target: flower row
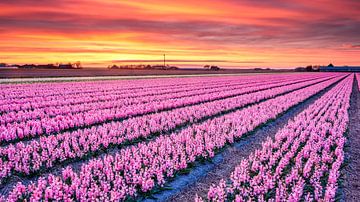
{"points": [[144, 166], [44, 153], [94, 101], [302, 162], [48, 125], [41, 100], [24, 91]]}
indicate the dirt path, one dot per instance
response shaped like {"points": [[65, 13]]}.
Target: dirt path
{"points": [[351, 184]]}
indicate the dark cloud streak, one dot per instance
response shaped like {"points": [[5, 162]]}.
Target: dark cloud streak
{"points": [[331, 31]]}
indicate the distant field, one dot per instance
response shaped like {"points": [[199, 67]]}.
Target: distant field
{"points": [[36, 73]]}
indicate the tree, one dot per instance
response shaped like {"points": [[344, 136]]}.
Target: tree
{"points": [[214, 68], [309, 68], [77, 65]]}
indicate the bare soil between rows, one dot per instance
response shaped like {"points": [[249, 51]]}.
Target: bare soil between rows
{"points": [[198, 182], [350, 188]]}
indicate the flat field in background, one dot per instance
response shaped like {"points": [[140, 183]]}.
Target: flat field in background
{"points": [[90, 72]]}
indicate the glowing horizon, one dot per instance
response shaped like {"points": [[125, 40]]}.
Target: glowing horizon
{"points": [[228, 33]]}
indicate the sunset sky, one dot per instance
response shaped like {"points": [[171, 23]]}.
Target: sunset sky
{"points": [[228, 33]]}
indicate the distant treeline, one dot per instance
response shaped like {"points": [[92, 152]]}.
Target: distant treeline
{"points": [[158, 67], [161, 67], [211, 67], [262, 69], [312, 68], [76, 65], [309, 68]]}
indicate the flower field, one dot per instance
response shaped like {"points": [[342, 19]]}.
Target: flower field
{"points": [[307, 152], [122, 139]]}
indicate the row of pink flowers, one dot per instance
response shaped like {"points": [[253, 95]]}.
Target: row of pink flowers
{"points": [[98, 91], [144, 166], [33, 90], [358, 80], [120, 98], [92, 92], [302, 162], [116, 110], [31, 157]]}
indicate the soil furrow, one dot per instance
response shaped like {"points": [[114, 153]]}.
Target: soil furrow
{"points": [[225, 162], [350, 182]]}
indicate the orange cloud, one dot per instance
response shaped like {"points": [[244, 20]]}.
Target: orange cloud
{"points": [[231, 33]]}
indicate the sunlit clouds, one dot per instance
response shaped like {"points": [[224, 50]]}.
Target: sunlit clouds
{"points": [[228, 33]]}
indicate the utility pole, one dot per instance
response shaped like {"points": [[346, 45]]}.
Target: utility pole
{"points": [[164, 60]]}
